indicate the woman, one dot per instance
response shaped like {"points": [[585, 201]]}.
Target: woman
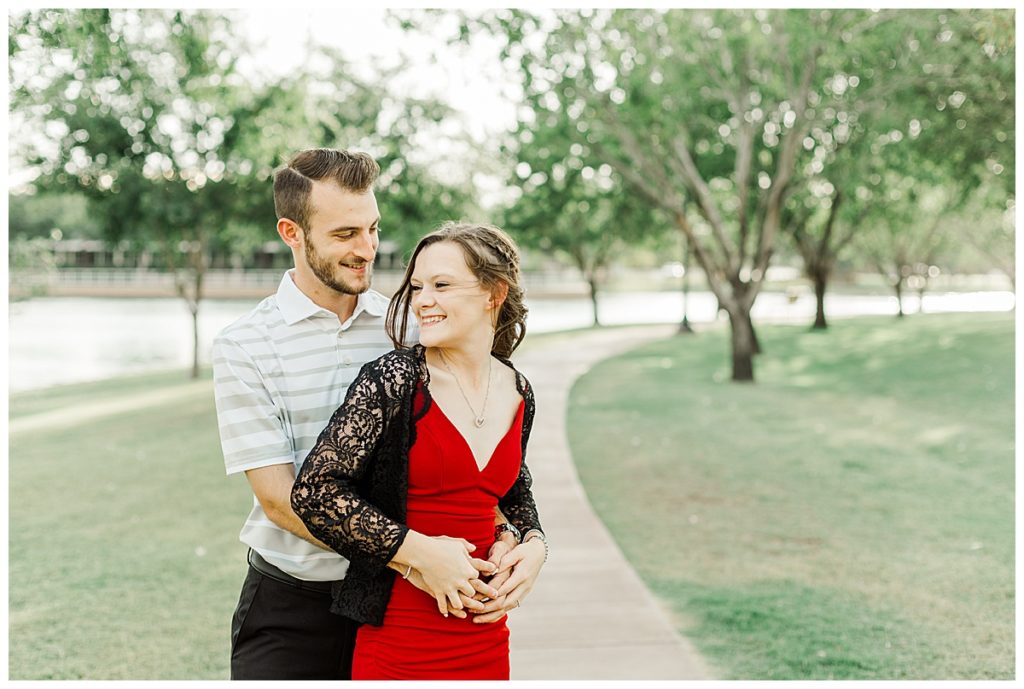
{"points": [[408, 472]]}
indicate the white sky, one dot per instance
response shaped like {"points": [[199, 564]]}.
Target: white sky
{"points": [[473, 86]]}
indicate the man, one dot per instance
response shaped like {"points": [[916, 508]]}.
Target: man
{"points": [[279, 374]]}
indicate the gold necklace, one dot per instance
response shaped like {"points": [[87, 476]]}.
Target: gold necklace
{"points": [[478, 419]]}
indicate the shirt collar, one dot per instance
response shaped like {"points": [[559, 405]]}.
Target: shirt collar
{"points": [[296, 306]]}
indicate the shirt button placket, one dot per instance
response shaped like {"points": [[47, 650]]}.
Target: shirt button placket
{"points": [[344, 358]]}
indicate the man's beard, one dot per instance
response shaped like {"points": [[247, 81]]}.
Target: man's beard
{"points": [[323, 269]]}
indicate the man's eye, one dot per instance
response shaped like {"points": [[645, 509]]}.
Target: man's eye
{"points": [[375, 229]]}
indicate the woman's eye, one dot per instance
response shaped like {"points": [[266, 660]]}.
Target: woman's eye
{"points": [[415, 288], [440, 285]]}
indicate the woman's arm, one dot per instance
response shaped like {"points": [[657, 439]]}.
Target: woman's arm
{"points": [[518, 504], [324, 494], [326, 498]]}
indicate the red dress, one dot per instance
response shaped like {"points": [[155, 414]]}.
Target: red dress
{"points": [[448, 496]]}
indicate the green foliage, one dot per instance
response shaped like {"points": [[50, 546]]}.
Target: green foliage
{"points": [[151, 118], [857, 501], [38, 215], [930, 107], [31, 265], [154, 119], [696, 108]]}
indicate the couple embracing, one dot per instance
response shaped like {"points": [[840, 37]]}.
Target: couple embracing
{"points": [[393, 525]]}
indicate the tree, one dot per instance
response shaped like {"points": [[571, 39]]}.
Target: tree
{"points": [[718, 111], [155, 122], [909, 214], [695, 109], [986, 223], [571, 205], [937, 89], [152, 122], [38, 215]]}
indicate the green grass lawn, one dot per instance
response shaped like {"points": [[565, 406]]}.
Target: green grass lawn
{"points": [[850, 515], [124, 560]]}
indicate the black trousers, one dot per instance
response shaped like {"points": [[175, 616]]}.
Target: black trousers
{"points": [[280, 631]]}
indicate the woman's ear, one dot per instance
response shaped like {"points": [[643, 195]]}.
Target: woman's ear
{"points": [[498, 294]]}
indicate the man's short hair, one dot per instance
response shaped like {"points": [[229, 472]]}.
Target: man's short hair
{"points": [[293, 183]]}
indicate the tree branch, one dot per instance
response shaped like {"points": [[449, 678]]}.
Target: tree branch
{"points": [[702, 195]]}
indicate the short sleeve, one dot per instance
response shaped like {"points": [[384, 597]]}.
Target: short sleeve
{"points": [[252, 429]]}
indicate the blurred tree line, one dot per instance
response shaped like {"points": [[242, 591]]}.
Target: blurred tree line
{"points": [[831, 137], [878, 138], [142, 127]]}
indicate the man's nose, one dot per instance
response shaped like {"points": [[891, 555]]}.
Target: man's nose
{"points": [[365, 247]]}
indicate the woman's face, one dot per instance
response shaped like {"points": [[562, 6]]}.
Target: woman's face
{"points": [[452, 307]]}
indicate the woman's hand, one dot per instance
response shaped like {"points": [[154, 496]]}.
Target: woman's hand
{"points": [[520, 567], [469, 604], [448, 573]]}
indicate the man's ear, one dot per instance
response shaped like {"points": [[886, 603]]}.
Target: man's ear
{"points": [[290, 233], [498, 295]]}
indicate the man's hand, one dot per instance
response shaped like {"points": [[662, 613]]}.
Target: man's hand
{"points": [[272, 486], [498, 550], [520, 568]]}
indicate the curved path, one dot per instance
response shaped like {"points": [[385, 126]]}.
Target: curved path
{"points": [[589, 616]]}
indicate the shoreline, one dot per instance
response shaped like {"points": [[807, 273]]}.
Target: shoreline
{"points": [[206, 371]]}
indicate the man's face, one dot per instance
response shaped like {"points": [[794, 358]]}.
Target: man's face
{"points": [[341, 241]]}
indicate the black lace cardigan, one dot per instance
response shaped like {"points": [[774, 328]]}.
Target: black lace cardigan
{"points": [[351, 491]]}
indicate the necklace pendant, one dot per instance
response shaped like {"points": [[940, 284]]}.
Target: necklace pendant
{"points": [[479, 421]]}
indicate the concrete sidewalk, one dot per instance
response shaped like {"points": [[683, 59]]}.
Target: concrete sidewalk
{"points": [[589, 616]]}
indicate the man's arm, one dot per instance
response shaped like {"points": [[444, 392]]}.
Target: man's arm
{"points": [[272, 486]]}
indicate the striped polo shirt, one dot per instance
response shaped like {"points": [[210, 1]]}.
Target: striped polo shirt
{"points": [[279, 374]]}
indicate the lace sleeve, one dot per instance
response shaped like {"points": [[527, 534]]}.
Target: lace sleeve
{"points": [[518, 504], [325, 495]]}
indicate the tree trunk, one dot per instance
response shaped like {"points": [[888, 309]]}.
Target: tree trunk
{"points": [[820, 278], [592, 282], [684, 327], [898, 286], [743, 346], [199, 266], [194, 308], [756, 343]]}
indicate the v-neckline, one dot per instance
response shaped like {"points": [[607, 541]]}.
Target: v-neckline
{"points": [[469, 448]]}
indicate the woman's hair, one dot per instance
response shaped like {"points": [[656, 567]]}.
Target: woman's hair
{"points": [[493, 258]]}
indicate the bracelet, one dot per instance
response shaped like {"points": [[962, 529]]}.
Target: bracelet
{"points": [[510, 528], [537, 533], [407, 572]]}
